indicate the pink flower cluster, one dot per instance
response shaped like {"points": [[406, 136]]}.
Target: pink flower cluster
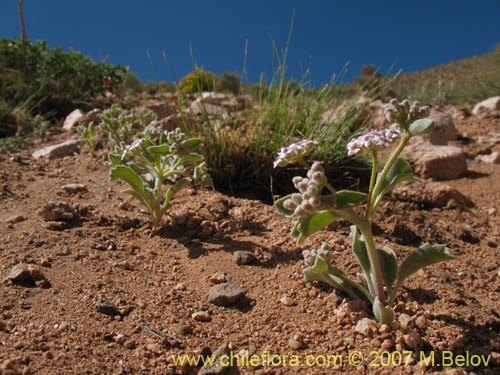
{"points": [[374, 139], [294, 152]]}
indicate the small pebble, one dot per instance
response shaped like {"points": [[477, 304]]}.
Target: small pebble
{"points": [[201, 316], [218, 278], [288, 301]]}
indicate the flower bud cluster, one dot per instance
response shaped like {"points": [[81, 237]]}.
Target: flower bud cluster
{"points": [[294, 152], [405, 113], [309, 197], [324, 251], [175, 139], [374, 139]]}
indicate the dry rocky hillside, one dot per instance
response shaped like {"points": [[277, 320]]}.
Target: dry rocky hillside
{"points": [[85, 288]]}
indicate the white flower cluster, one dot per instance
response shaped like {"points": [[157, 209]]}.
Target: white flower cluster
{"points": [[405, 113], [294, 152], [309, 199], [324, 251], [374, 139]]}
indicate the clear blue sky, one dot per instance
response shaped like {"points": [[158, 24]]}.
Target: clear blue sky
{"points": [[410, 34]]}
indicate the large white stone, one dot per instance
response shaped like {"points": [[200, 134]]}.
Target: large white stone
{"points": [[72, 119], [486, 106]]}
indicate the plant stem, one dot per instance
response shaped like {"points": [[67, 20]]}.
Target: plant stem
{"points": [[372, 183], [378, 185], [366, 231]]}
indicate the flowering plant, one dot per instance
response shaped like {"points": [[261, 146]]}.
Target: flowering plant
{"points": [[313, 210], [155, 158]]}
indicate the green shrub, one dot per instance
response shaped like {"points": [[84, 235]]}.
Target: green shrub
{"points": [[197, 81], [52, 80], [229, 82]]}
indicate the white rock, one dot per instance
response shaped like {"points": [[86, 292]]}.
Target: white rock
{"points": [[493, 158], [72, 119], [60, 150], [488, 105]]}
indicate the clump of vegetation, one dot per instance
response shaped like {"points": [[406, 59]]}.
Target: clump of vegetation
{"points": [[313, 209], [153, 159], [197, 81], [119, 125], [41, 80], [228, 82]]}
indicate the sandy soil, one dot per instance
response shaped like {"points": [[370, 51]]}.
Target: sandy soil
{"points": [[105, 253]]}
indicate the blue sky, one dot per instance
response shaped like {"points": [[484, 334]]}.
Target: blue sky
{"points": [[408, 35]]}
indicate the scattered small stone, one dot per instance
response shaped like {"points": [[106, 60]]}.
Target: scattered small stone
{"points": [[201, 316], [288, 301], [129, 344], [120, 338], [405, 322], [74, 188], [106, 307], [367, 327], [384, 328], [193, 222], [244, 258], [295, 342], [492, 211], [218, 278], [206, 230], [493, 158], [387, 344], [154, 348], [226, 294], [421, 322], [15, 219], [217, 367], [56, 211], [413, 341], [180, 218]]}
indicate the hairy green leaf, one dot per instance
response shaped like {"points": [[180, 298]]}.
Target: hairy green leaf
{"points": [[192, 143], [389, 265], [312, 224], [127, 174], [159, 150], [425, 255], [421, 126], [399, 172], [348, 198]]}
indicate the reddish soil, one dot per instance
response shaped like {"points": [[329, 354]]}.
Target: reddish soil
{"points": [[106, 253]]}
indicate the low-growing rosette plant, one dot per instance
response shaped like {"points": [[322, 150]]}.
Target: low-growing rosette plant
{"points": [[155, 159], [317, 204]]}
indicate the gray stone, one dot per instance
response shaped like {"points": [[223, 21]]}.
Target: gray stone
{"points": [[444, 129], [60, 150], [201, 316], [106, 307], [56, 211], [198, 107], [218, 368], [72, 119], [493, 158], [487, 106], [438, 162], [429, 193], [242, 258], [367, 327], [20, 273], [74, 188], [226, 294]]}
